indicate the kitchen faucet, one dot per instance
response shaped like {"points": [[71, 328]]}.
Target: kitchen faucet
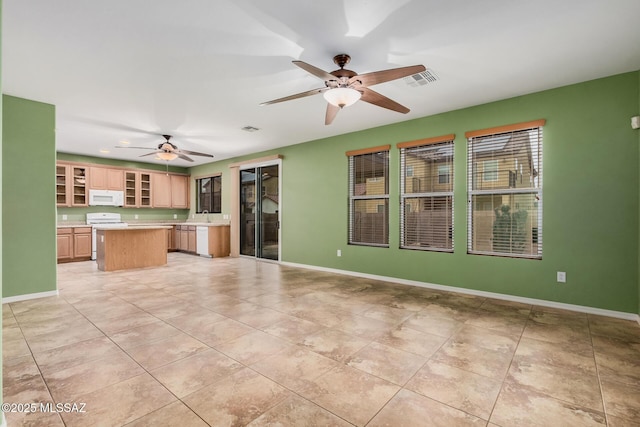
{"points": [[206, 212]]}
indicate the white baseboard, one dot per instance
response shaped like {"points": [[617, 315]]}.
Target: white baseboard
{"points": [[26, 297], [505, 297]]}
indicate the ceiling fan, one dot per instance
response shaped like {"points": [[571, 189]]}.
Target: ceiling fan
{"points": [[345, 87], [169, 151]]}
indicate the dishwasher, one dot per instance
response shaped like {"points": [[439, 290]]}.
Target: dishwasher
{"points": [[202, 241]]}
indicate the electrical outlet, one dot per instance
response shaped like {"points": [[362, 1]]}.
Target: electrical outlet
{"points": [[64, 217], [562, 277], [339, 252], [175, 216], [135, 216]]}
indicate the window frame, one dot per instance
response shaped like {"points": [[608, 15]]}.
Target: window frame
{"points": [[354, 199], [405, 206], [535, 191], [213, 194]]}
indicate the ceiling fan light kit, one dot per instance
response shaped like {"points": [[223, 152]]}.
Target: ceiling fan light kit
{"points": [[343, 88], [167, 156], [342, 96]]}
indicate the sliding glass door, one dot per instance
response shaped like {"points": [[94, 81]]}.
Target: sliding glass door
{"points": [[260, 212]]}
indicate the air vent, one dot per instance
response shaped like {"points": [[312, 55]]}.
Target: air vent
{"points": [[421, 79], [250, 129]]}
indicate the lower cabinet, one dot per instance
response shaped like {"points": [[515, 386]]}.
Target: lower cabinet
{"points": [[191, 239], [65, 244], [74, 244], [172, 241], [219, 241], [182, 234]]}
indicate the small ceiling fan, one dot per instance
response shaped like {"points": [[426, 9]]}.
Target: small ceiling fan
{"points": [[345, 87], [169, 151]]}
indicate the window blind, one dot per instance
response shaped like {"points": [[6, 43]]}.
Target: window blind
{"points": [[369, 198], [426, 194], [505, 191]]}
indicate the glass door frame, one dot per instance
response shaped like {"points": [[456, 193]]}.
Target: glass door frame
{"points": [[272, 162]]}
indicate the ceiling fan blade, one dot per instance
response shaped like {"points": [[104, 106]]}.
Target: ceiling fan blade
{"points": [[195, 153], [314, 70], [373, 97], [150, 154], [183, 157], [296, 96], [332, 112], [141, 148], [370, 79]]}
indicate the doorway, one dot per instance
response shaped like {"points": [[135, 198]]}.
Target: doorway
{"points": [[260, 212]]}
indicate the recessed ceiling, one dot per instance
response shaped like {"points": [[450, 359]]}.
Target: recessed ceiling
{"points": [[198, 69]]}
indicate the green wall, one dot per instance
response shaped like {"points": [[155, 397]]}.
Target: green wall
{"points": [[78, 214], [590, 194], [28, 197]]}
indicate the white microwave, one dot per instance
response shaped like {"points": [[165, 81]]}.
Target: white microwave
{"points": [[106, 198]]}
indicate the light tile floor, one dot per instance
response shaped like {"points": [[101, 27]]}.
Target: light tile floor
{"points": [[234, 342]]}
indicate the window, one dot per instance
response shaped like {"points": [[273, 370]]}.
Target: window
{"points": [[426, 192], [369, 196], [443, 174], [489, 170], [505, 190], [209, 194]]}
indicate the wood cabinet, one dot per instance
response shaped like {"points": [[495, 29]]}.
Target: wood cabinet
{"points": [[186, 238], [161, 190], [62, 180], [179, 191], [131, 247], [172, 243], [170, 191], [142, 189], [182, 237], [82, 243], [74, 244], [71, 185], [137, 189], [191, 239], [218, 235], [65, 244], [219, 241], [79, 194], [101, 178]]}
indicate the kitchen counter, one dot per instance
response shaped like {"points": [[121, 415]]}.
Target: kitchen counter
{"points": [[131, 247]]}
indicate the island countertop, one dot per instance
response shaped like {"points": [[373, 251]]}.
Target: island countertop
{"points": [[135, 227]]}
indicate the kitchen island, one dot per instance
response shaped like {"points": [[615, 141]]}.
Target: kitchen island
{"points": [[131, 247]]}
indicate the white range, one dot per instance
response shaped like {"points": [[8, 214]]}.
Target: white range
{"points": [[103, 220]]}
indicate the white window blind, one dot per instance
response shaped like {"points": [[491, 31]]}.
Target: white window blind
{"points": [[426, 194], [369, 197], [505, 190]]}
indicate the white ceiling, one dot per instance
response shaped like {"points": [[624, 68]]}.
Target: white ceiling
{"points": [[130, 70]]}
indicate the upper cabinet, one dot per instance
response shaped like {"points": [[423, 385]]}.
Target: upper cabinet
{"points": [[106, 178], [137, 188], [161, 190], [142, 188], [179, 191], [71, 185], [170, 191], [62, 180]]}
